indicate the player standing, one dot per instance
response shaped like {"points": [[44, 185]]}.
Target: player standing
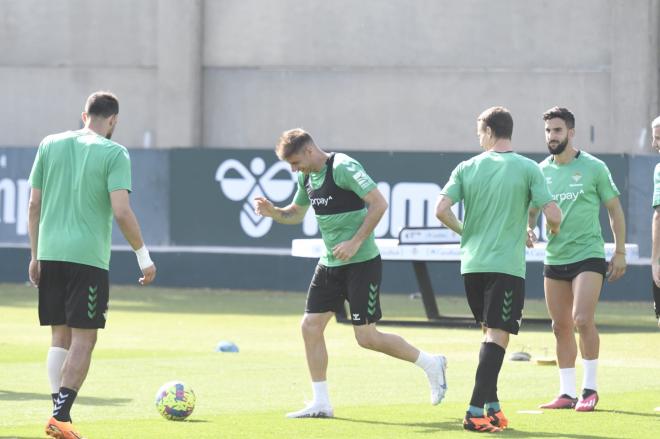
{"points": [[575, 265], [79, 179], [655, 230], [497, 187]]}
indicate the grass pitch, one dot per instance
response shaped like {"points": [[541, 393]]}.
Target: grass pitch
{"points": [[156, 335]]}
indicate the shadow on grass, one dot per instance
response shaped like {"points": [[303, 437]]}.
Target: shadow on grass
{"points": [[7, 395], [437, 427]]}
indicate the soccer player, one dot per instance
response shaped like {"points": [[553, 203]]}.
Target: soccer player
{"points": [[79, 179], [497, 187], [655, 250], [348, 206], [575, 265]]}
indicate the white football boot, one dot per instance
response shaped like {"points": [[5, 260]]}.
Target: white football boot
{"points": [[313, 410], [437, 379]]}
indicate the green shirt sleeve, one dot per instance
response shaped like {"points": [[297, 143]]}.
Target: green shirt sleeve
{"points": [[37, 173], [119, 171], [540, 194], [605, 185], [454, 187], [351, 176], [301, 198], [656, 186]]}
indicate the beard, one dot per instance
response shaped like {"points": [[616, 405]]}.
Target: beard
{"points": [[559, 148], [109, 135]]}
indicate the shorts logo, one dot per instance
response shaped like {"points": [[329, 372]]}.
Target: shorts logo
{"points": [[373, 298], [356, 316], [239, 183], [92, 302], [507, 305]]}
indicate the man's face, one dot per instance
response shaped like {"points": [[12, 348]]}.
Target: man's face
{"points": [[301, 161], [656, 139], [556, 135]]}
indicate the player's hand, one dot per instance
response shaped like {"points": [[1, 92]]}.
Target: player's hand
{"points": [[34, 271], [531, 238], [148, 275], [617, 267], [345, 250], [552, 231], [655, 269], [263, 207]]}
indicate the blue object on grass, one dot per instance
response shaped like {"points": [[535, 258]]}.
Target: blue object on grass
{"points": [[226, 346]]}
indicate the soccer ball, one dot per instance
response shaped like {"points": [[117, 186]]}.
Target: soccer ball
{"points": [[175, 401]]}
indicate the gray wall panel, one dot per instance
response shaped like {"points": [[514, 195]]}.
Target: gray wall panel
{"points": [[428, 110], [41, 101], [510, 34], [78, 32]]}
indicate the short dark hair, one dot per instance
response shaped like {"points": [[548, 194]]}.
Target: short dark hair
{"points": [[561, 113], [499, 120], [292, 142], [102, 103]]}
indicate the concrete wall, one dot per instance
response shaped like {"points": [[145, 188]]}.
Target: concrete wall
{"points": [[367, 75]]}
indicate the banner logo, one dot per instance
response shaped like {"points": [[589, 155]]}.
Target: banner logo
{"points": [[239, 183]]}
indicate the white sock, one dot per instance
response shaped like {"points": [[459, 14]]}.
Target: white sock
{"points": [[590, 367], [54, 363], [425, 361], [320, 389], [567, 382]]}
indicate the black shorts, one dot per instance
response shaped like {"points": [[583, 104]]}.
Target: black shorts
{"points": [[496, 299], [568, 272], [357, 283], [656, 299], [73, 294]]}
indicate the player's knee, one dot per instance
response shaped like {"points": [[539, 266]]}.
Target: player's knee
{"points": [[366, 340], [562, 328], [583, 322], [311, 327]]}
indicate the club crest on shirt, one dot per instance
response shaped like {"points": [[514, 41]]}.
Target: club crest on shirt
{"points": [[577, 177]]}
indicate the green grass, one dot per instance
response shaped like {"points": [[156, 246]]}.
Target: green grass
{"points": [[156, 335]]}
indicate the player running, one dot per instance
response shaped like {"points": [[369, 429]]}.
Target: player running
{"points": [[348, 206]]}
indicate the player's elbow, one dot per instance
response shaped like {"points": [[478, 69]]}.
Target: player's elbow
{"points": [[121, 213], [34, 206]]}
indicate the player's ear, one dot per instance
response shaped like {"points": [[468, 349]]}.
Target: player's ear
{"points": [[84, 117]]}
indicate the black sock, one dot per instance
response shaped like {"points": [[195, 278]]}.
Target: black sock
{"points": [[491, 357], [63, 403], [53, 396]]}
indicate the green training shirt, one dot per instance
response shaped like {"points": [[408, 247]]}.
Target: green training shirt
{"points": [[348, 174], [579, 187], [656, 186], [497, 190], [76, 171]]}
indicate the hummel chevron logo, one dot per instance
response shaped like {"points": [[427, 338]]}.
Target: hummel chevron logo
{"points": [[373, 298], [58, 403], [91, 301], [507, 305]]}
